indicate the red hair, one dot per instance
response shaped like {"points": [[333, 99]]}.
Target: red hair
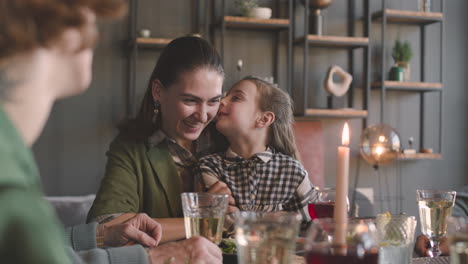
{"points": [[29, 24]]}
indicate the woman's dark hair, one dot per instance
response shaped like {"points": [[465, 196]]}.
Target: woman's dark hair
{"points": [[181, 55]]}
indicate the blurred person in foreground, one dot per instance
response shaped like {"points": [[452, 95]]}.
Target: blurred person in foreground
{"points": [[46, 50]]}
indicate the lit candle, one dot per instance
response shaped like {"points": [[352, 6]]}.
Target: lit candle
{"points": [[341, 206]]}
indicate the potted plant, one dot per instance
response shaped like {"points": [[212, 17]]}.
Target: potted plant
{"points": [[250, 8], [402, 54], [245, 6]]}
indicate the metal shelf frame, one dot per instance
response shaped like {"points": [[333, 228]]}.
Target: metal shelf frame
{"points": [[135, 43], [262, 25], [422, 20], [350, 43]]}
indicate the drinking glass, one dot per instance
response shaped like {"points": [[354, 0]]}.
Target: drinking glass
{"points": [[396, 234], [266, 237], [322, 203], [435, 208], [361, 244], [204, 215], [457, 233]]}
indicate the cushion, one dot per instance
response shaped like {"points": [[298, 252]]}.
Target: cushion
{"points": [[309, 142], [72, 210]]}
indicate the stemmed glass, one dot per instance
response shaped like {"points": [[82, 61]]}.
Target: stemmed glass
{"points": [[322, 203], [435, 208]]}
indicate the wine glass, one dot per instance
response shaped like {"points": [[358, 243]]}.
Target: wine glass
{"points": [[322, 203], [435, 208]]}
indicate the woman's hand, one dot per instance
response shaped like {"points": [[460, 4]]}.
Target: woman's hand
{"points": [[222, 188], [139, 228], [194, 250]]}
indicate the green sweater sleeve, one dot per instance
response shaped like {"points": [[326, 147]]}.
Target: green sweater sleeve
{"points": [[121, 255], [82, 241], [29, 231]]}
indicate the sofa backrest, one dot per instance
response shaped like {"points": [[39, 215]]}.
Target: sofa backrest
{"points": [[71, 210]]}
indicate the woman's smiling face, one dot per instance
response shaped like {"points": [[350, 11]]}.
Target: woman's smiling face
{"points": [[190, 104]]}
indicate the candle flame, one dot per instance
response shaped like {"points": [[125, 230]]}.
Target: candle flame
{"points": [[345, 135]]}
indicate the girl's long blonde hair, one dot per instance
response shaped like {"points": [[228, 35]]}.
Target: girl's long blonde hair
{"points": [[275, 100]]}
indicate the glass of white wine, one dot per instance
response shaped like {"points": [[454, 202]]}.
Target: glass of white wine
{"points": [[204, 215], [266, 237], [435, 208]]}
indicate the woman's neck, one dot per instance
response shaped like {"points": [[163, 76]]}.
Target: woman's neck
{"points": [[29, 100]]}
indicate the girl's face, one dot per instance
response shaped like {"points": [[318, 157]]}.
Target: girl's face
{"points": [[190, 104], [239, 110]]}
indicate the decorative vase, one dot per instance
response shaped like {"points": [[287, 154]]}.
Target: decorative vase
{"points": [[425, 5], [396, 74], [406, 70], [316, 19]]}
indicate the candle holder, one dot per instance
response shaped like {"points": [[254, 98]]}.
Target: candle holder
{"points": [[361, 244]]}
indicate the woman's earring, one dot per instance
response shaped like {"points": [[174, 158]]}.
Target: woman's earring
{"points": [[156, 111]]}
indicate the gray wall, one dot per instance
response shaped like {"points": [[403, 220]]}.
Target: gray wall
{"points": [[71, 150]]}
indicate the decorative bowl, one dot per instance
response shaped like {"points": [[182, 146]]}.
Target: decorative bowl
{"points": [[260, 12]]}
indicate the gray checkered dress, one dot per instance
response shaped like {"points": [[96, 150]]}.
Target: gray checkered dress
{"points": [[269, 181]]}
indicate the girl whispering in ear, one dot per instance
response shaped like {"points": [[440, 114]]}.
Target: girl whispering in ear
{"points": [[260, 165]]}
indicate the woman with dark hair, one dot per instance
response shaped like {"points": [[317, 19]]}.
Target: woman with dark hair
{"points": [[150, 162]]}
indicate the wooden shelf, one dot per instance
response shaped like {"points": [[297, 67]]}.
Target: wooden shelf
{"points": [[409, 17], [409, 86], [334, 41], [152, 42], [256, 23], [419, 156], [332, 113]]}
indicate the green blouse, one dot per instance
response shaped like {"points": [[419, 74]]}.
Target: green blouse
{"points": [[139, 178]]}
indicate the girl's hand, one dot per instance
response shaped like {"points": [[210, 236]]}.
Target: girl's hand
{"points": [[222, 188]]}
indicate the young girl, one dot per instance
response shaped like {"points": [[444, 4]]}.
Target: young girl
{"points": [[259, 166]]}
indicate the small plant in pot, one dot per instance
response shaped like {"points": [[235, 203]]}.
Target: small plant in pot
{"points": [[402, 54], [250, 8], [245, 6]]}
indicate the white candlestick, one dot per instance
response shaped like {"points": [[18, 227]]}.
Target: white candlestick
{"points": [[341, 206]]}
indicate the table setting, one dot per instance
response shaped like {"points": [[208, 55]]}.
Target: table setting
{"points": [[331, 236]]}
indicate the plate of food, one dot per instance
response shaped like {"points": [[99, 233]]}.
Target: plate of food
{"points": [[229, 249]]}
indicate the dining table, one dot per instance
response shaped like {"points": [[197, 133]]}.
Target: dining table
{"points": [[427, 260], [436, 260]]}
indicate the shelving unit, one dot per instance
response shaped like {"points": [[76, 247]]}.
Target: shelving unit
{"points": [[419, 156], [349, 43], [275, 25], [421, 19], [256, 23], [347, 113], [137, 44], [152, 42]]}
